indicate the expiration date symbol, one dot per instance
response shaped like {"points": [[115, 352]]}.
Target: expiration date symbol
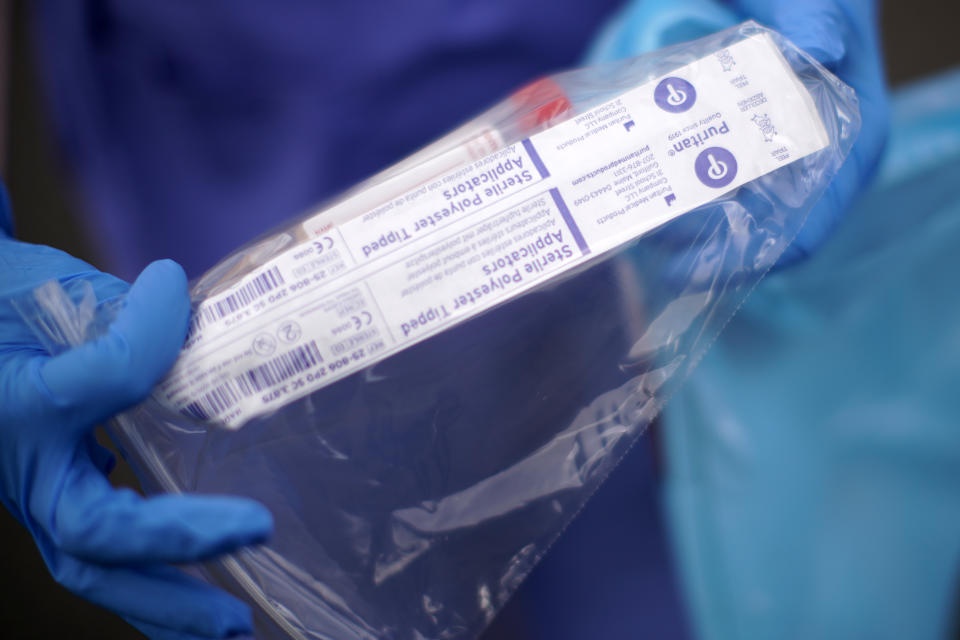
{"points": [[264, 344], [289, 332]]}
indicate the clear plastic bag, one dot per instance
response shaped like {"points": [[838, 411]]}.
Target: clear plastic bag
{"points": [[415, 485]]}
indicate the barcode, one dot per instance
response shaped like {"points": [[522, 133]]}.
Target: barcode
{"points": [[262, 284], [279, 369], [271, 373], [213, 403]]}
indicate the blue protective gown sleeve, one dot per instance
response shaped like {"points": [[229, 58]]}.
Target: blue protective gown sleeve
{"points": [[109, 546]]}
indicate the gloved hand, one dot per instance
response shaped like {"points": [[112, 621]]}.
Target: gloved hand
{"points": [[109, 546], [841, 34]]}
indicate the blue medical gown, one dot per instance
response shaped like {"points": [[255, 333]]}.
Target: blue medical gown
{"points": [[193, 127], [814, 456]]}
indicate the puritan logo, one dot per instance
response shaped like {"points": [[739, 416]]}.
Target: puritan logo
{"points": [[700, 138]]}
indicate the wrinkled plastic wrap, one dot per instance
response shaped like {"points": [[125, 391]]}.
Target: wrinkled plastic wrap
{"points": [[412, 496]]}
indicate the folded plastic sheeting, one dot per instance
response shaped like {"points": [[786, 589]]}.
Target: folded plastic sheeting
{"points": [[425, 380]]}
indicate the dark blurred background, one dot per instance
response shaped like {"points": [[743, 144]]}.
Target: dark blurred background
{"points": [[919, 36]]}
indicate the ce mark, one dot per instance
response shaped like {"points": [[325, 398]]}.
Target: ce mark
{"points": [[323, 244], [362, 319]]}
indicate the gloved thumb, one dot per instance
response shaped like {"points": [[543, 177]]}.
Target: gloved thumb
{"points": [[648, 25], [98, 379], [818, 27]]}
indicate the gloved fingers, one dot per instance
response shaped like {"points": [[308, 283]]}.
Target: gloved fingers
{"points": [[26, 266], [819, 27], [821, 221], [159, 596], [95, 522], [647, 25], [843, 35], [95, 380], [105, 286]]}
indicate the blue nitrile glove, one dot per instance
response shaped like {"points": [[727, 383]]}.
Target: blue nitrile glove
{"points": [[109, 546], [841, 34]]}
